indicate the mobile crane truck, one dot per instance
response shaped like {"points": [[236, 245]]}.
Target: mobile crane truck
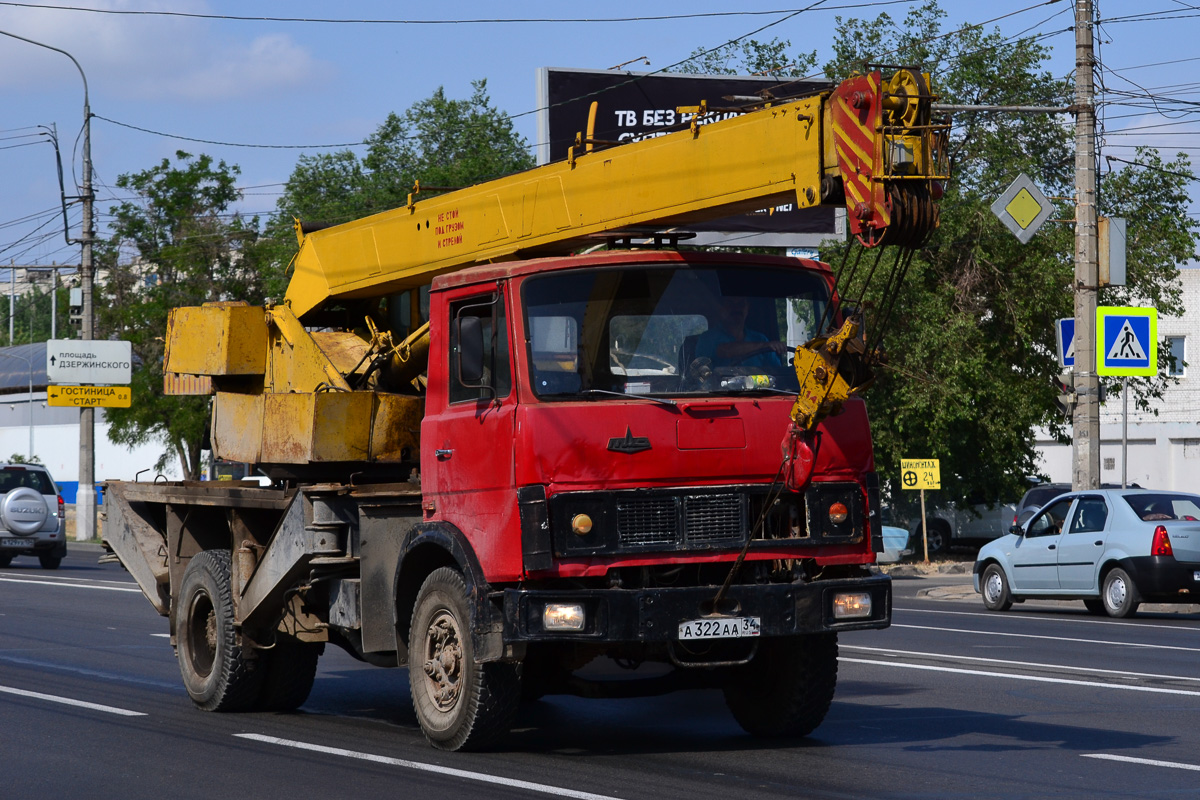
{"points": [[495, 459]]}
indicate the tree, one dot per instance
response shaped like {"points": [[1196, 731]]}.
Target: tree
{"points": [[751, 57], [176, 245], [970, 347], [443, 143]]}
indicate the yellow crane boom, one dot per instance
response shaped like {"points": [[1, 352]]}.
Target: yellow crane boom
{"points": [[867, 143]]}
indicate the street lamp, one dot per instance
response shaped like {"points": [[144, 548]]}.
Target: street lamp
{"points": [[85, 526], [28, 363]]}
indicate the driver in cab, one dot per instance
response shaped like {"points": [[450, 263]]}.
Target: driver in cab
{"points": [[731, 343]]}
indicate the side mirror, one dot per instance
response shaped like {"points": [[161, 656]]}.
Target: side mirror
{"points": [[1017, 530], [470, 351]]}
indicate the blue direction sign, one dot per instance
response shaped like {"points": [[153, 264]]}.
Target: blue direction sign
{"points": [[1126, 341], [1065, 328]]}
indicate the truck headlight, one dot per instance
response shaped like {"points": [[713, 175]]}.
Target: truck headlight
{"points": [[855, 605], [562, 617]]}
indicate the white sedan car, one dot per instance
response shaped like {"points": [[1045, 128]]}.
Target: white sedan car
{"points": [[1110, 548]]}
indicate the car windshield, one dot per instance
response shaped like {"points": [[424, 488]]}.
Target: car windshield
{"points": [[17, 477], [670, 330], [1161, 507]]}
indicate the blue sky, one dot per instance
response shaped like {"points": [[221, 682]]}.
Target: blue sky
{"points": [[291, 83]]}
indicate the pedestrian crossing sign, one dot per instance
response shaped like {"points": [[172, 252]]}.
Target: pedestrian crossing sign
{"points": [[1126, 341]]}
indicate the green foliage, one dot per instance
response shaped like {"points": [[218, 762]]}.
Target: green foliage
{"points": [[438, 141], [751, 57], [186, 250], [17, 458], [31, 315]]}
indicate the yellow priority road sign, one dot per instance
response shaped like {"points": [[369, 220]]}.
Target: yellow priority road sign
{"points": [[89, 396], [920, 473]]}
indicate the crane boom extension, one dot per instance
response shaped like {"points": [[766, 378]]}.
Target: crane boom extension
{"points": [[866, 143]]}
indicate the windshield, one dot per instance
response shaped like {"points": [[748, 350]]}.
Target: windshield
{"points": [[670, 330], [1160, 507]]}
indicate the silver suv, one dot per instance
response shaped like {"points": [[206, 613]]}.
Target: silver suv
{"points": [[31, 515]]}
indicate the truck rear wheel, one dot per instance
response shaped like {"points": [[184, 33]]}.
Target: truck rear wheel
{"points": [[216, 672], [788, 687], [289, 669], [461, 705]]}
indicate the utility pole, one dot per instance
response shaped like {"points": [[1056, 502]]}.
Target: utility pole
{"points": [[1086, 421], [85, 500]]}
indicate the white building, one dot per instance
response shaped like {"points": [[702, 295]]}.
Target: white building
{"points": [[1164, 449], [54, 431]]}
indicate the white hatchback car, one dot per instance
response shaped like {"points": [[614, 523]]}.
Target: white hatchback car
{"points": [[31, 515], [1110, 548]]}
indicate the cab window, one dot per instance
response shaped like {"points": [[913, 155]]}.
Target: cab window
{"points": [[497, 371]]}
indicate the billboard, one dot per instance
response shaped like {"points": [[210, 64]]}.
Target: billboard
{"points": [[636, 105]]}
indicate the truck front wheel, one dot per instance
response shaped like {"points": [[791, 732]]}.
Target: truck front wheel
{"points": [[787, 688], [461, 705], [216, 672]]}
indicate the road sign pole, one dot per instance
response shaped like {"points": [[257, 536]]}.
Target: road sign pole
{"points": [[1124, 432], [1086, 422], [924, 529]]}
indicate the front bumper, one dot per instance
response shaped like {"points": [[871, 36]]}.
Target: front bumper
{"points": [[653, 615]]}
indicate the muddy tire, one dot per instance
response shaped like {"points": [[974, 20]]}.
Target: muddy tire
{"points": [[460, 705], [788, 687], [49, 562], [289, 669], [216, 672]]}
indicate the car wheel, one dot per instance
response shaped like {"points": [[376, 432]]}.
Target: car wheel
{"points": [[938, 538], [460, 704], [49, 562], [1119, 595], [1095, 607], [5, 559], [994, 585], [216, 669]]}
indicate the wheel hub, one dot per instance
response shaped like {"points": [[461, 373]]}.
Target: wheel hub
{"points": [[992, 587], [443, 661], [1116, 593]]}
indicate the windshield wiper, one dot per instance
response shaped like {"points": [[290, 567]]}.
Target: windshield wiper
{"points": [[662, 400]]}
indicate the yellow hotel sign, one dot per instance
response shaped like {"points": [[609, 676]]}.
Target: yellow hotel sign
{"points": [[920, 473], [89, 396]]}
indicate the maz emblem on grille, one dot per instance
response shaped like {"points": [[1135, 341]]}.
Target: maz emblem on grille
{"points": [[629, 443]]}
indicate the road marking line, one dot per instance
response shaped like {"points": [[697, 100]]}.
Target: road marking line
{"points": [[1034, 678], [1153, 762], [1016, 663], [1086, 620], [124, 712], [71, 585], [417, 765], [1053, 638]]}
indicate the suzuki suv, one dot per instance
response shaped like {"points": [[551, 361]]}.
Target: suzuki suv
{"points": [[31, 515]]}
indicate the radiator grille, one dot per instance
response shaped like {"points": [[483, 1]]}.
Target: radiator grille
{"points": [[647, 521], [713, 518]]}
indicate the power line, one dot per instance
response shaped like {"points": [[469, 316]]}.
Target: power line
{"points": [[478, 21], [227, 144]]}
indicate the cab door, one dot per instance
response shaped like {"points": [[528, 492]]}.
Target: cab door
{"points": [[1035, 556], [467, 439]]}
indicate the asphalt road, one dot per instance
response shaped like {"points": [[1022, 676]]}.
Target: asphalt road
{"points": [[952, 701]]}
